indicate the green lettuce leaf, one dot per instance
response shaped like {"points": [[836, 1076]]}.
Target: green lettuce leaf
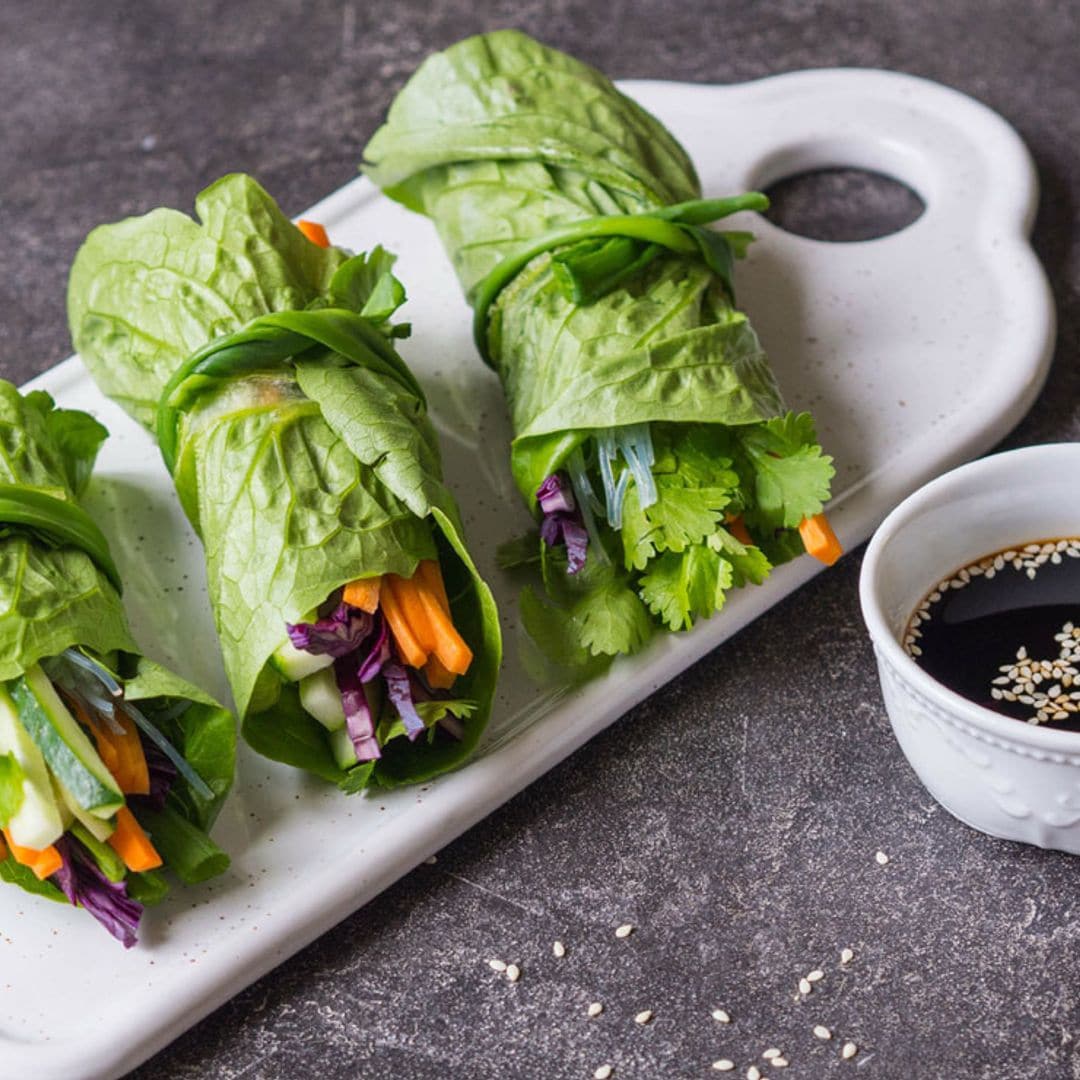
{"points": [[16, 874], [50, 597], [299, 476]]}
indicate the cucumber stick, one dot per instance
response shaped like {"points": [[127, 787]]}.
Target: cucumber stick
{"points": [[37, 822], [65, 746], [294, 664], [342, 748], [320, 696], [99, 828]]}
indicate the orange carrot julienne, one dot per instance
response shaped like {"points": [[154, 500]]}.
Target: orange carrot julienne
{"points": [[363, 594], [438, 676], [407, 594], [122, 754], [410, 649], [430, 574], [43, 863], [3, 849], [314, 232], [449, 645], [819, 539], [737, 527], [132, 844]]}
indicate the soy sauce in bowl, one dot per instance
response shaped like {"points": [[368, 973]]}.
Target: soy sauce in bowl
{"points": [[1004, 632]]}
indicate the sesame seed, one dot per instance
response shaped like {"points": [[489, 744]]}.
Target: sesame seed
{"points": [[723, 1065], [624, 931], [882, 858], [753, 1073], [780, 1063], [595, 1009], [643, 1017], [431, 860], [497, 965], [822, 1032], [559, 949], [603, 1072], [816, 975], [849, 1051], [771, 1053], [720, 1016], [846, 956], [804, 986], [513, 972]]}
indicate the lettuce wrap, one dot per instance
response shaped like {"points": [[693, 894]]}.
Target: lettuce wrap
{"points": [[111, 767], [650, 438], [359, 640]]}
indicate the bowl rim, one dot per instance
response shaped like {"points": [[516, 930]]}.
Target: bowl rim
{"points": [[888, 644]]}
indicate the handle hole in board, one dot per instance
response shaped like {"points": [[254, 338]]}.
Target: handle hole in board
{"points": [[842, 204]]}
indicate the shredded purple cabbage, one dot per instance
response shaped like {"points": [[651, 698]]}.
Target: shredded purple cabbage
{"points": [[359, 722], [336, 635], [162, 775], [86, 886], [401, 694], [379, 653], [562, 522], [555, 495]]}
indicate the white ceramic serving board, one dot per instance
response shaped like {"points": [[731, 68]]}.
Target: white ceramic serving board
{"points": [[915, 351]]}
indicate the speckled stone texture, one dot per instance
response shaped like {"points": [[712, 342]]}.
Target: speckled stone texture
{"points": [[732, 818]]}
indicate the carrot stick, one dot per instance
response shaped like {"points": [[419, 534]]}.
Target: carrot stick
{"points": [[363, 594], [431, 622], [737, 527], [44, 863], [412, 651], [132, 844], [819, 539], [314, 232], [122, 754], [438, 677], [407, 593], [430, 574], [449, 646]]}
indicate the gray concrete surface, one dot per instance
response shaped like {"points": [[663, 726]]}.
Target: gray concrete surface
{"points": [[732, 818]]}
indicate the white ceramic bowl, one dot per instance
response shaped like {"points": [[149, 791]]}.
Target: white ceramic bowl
{"points": [[1008, 778]]}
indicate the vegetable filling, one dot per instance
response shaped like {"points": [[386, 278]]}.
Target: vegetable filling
{"points": [[389, 654], [79, 766]]}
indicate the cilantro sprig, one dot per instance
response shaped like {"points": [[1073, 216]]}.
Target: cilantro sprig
{"points": [[674, 561]]}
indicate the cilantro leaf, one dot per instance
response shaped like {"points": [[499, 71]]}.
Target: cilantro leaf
{"points": [[357, 778], [792, 475], [694, 484], [431, 712], [612, 620], [748, 563], [596, 613], [681, 587]]}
